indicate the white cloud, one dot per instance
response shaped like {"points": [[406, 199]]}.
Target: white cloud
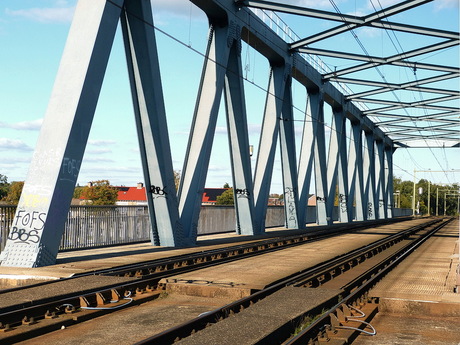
{"points": [[366, 31], [98, 151], [24, 125], [101, 142], [177, 7], [11, 144], [163, 10], [221, 130], [45, 15], [254, 128], [98, 160], [444, 4], [14, 160]]}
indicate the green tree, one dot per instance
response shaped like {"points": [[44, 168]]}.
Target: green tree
{"points": [[4, 186], [14, 192], [226, 185], [100, 193], [77, 192], [226, 198], [406, 190]]}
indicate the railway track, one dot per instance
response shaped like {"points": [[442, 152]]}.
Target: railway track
{"points": [[337, 320], [140, 283]]}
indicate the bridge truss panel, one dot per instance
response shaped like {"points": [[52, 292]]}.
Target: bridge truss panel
{"points": [[363, 177]]}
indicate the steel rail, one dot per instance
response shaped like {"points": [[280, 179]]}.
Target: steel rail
{"points": [[356, 290], [181, 331], [151, 272], [139, 269]]}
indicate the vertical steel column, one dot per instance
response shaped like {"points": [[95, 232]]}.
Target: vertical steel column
{"points": [[203, 129], [239, 140], [289, 158], [305, 163], [389, 180], [320, 165], [337, 177], [42, 210], [150, 115], [369, 175], [267, 144], [355, 172], [314, 149], [381, 181]]}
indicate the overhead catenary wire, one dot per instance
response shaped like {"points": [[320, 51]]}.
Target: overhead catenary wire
{"points": [[419, 92], [262, 88], [383, 77]]}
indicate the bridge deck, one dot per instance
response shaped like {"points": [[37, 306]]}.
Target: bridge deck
{"points": [[77, 262], [426, 279], [251, 273], [417, 301]]}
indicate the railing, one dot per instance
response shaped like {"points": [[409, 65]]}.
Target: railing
{"points": [[6, 219], [97, 226], [93, 226]]}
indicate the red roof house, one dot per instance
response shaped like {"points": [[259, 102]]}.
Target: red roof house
{"points": [[132, 195], [210, 195]]}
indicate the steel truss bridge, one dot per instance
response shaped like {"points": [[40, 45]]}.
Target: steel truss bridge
{"points": [[360, 172]]}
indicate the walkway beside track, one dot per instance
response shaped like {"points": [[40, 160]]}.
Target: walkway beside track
{"points": [[245, 274], [424, 283], [417, 302], [86, 261]]}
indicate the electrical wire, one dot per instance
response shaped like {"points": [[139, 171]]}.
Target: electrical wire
{"points": [[383, 77], [177, 40], [420, 93]]}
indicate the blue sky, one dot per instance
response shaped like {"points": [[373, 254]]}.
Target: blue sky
{"points": [[33, 35]]}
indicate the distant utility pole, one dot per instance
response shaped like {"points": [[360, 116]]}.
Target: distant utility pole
{"points": [[413, 194]]}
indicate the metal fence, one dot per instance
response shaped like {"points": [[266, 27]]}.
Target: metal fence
{"points": [[6, 219], [97, 226], [93, 226]]}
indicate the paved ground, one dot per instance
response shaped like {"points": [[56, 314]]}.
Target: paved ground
{"points": [[403, 330]]}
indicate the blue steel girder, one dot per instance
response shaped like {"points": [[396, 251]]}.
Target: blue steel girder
{"points": [[369, 176], [356, 172], [43, 208], [256, 34], [239, 140], [277, 51], [319, 159], [305, 164], [203, 129], [381, 182], [313, 158], [45, 200], [288, 157], [150, 115], [389, 179], [267, 145], [337, 173]]}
